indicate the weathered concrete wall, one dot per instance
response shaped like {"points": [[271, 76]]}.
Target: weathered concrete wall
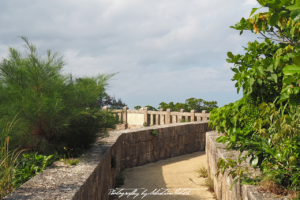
{"points": [[135, 119], [94, 176], [214, 151]]}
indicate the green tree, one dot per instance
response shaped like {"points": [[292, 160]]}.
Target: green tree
{"points": [[194, 104], [266, 120], [209, 105], [137, 107], [151, 108], [190, 104], [55, 110]]}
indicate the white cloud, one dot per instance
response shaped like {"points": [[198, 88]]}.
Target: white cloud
{"points": [[163, 49], [251, 2]]}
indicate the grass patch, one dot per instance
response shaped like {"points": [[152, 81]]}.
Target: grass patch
{"points": [[202, 172]]}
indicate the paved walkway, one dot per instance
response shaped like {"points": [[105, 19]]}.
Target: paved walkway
{"points": [[173, 173]]}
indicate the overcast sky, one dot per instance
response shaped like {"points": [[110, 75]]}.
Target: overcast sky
{"points": [[164, 50]]}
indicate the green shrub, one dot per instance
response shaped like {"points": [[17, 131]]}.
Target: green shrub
{"points": [[29, 166], [266, 120], [57, 110]]}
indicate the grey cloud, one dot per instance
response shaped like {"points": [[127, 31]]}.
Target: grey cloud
{"points": [[160, 47]]}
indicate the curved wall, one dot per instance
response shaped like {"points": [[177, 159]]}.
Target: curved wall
{"points": [[95, 175]]}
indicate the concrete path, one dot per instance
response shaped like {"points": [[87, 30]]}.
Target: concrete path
{"points": [[177, 174]]}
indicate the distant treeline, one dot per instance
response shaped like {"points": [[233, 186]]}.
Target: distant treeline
{"points": [[190, 104]]}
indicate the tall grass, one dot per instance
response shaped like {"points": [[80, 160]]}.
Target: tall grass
{"points": [[7, 162]]}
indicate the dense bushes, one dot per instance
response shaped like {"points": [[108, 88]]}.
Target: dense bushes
{"points": [[43, 111], [266, 120], [54, 110]]}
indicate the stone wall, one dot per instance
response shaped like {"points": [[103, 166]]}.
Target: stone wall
{"points": [[95, 175], [214, 151]]}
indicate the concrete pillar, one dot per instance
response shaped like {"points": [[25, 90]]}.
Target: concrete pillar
{"points": [[205, 116], [157, 119], [146, 115], [125, 117], [162, 117], [174, 119], [168, 116], [180, 116], [152, 119], [198, 118], [192, 115], [125, 114]]}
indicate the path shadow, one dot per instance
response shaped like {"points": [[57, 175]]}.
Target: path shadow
{"points": [[174, 173]]}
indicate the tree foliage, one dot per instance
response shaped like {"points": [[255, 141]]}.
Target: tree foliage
{"points": [[266, 120], [137, 107], [190, 104], [111, 101], [55, 110]]}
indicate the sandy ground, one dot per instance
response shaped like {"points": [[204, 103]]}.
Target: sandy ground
{"points": [[173, 175]]}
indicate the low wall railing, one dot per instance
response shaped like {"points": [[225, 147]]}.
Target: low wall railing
{"points": [[135, 118]]}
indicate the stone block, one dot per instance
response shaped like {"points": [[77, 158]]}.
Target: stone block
{"points": [[162, 154], [162, 143], [170, 142], [156, 156], [129, 138], [176, 151], [149, 157], [142, 159], [167, 153]]}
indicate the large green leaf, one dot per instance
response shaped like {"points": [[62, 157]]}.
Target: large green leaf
{"points": [[254, 162], [291, 69], [273, 19], [274, 77], [251, 81], [230, 55], [295, 15], [296, 61], [288, 80], [235, 70], [293, 7], [253, 11]]}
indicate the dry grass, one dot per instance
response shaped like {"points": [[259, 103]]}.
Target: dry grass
{"points": [[7, 168], [210, 184], [269, 185], [202, 172]]}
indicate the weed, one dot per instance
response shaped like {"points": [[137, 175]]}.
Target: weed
{"points": [[145, 124], [70, 160], [210, 184], [73, 161], [120, 179], [202, 171], [154, 133]]}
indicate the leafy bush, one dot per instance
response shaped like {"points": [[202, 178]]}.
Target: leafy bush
{"points": [[266, 120], [29, 166], [55, 110]]}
